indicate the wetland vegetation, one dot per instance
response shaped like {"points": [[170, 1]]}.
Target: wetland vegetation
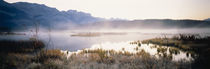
{"points": [[86, 59], [198, 47], [105, 34], [31, 54]]}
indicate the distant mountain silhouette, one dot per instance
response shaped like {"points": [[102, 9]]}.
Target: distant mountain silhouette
{"points": [[42, 12], [15, 15], [22, 15], [207, 19], [151, 24], [10, 16]]}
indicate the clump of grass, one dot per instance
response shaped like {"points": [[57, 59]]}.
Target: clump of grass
{"points": [[161, 50], [142, 53], [45, 55], [174, 50], [136, 42]]}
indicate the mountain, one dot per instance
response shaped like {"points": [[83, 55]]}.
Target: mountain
{"points": [[42, 12], [23, 15], [150, 24], [207, 19], [10, 16], [15, 15]]}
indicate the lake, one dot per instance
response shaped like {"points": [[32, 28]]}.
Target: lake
{"points": [[64, 40], [119, 41]]}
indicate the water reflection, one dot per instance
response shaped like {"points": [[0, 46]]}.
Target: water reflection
{"points": [[152, 49], [65, 41]]}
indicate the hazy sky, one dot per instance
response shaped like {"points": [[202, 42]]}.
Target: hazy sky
{"points": [[134, 9]]}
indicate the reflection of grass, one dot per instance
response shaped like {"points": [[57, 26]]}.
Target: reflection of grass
{"points": [[192, 44], [161, 50], [20, 46]]}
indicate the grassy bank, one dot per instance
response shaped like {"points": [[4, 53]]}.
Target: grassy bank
{"points": [[189, 43], [110, 59], [29, 54], [32, 55]]}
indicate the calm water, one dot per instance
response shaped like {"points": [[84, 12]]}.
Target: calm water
{"points": [[66, 42]]}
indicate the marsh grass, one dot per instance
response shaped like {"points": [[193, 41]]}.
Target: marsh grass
{"points": [[29, 54], [198, 47], [91, 59], [86, 59], [15, 54], [32, 55], [46, 59]]}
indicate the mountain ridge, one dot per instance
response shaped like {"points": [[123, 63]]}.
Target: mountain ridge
{"points": [[208, 19], [14, 15]]}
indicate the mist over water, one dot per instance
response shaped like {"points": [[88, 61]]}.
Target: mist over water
{"points": [[63, 39], [36, 35], [107, 39]]}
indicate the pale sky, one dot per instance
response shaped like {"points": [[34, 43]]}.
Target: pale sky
{"points": [[133, 9]]}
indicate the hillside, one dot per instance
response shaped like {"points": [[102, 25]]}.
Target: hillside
{"points": [[207, 19], [23, 15], [14, 16], [150, 24]]}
